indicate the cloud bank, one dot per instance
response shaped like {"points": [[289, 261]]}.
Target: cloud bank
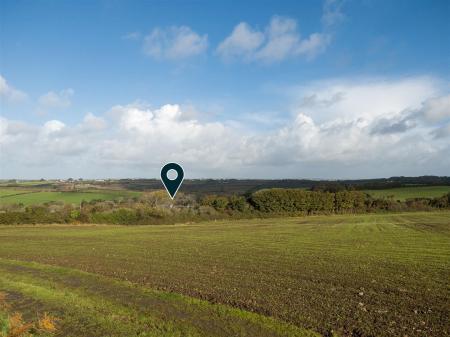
{"points": [[338, 128]]}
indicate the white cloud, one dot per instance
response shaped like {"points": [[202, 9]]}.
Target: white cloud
{"points": [[315, 44], [437, 109], [442, 132], [93, 123], [370, 122], [53, 127], [175, 42], [367, 98], [339, 128], [279, 40], [163, 134], [332, 12], [9, 93], [243, 41], [54, 100]]}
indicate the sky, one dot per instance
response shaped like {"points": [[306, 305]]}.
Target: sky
{"points": [[327, 89]]}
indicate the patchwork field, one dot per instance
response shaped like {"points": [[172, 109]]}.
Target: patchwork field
{"points": [[362, 275]]}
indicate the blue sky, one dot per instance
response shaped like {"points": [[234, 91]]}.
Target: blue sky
{"points": [[251, 71]]}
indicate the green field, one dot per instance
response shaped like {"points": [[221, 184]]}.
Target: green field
{"points": [[362, 275], [6, 192], [403, 193], [30, 197]]}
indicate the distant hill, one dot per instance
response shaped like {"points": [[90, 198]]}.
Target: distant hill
{"points": [[244, 186]]}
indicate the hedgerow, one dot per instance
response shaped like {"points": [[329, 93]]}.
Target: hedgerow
{"points": [[156, 208]]}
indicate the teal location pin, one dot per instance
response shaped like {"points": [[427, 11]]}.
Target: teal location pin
{"points": [[172, 185]]}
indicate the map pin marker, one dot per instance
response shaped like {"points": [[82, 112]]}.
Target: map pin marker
{"points": [[172, 185]]}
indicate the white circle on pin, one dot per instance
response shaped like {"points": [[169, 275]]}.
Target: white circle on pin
{"points": [[172, 174]]}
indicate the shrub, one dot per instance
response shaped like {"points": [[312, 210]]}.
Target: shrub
{"points": [[237, 203], [219, 203], [75, 214]]}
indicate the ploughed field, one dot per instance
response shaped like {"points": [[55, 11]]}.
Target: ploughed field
{"points": [[360, 275]]}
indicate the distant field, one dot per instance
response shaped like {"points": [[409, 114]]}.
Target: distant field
{"points": [[4, 192], [26, 183], [27, 197], [403, 193], [361, 275]]}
